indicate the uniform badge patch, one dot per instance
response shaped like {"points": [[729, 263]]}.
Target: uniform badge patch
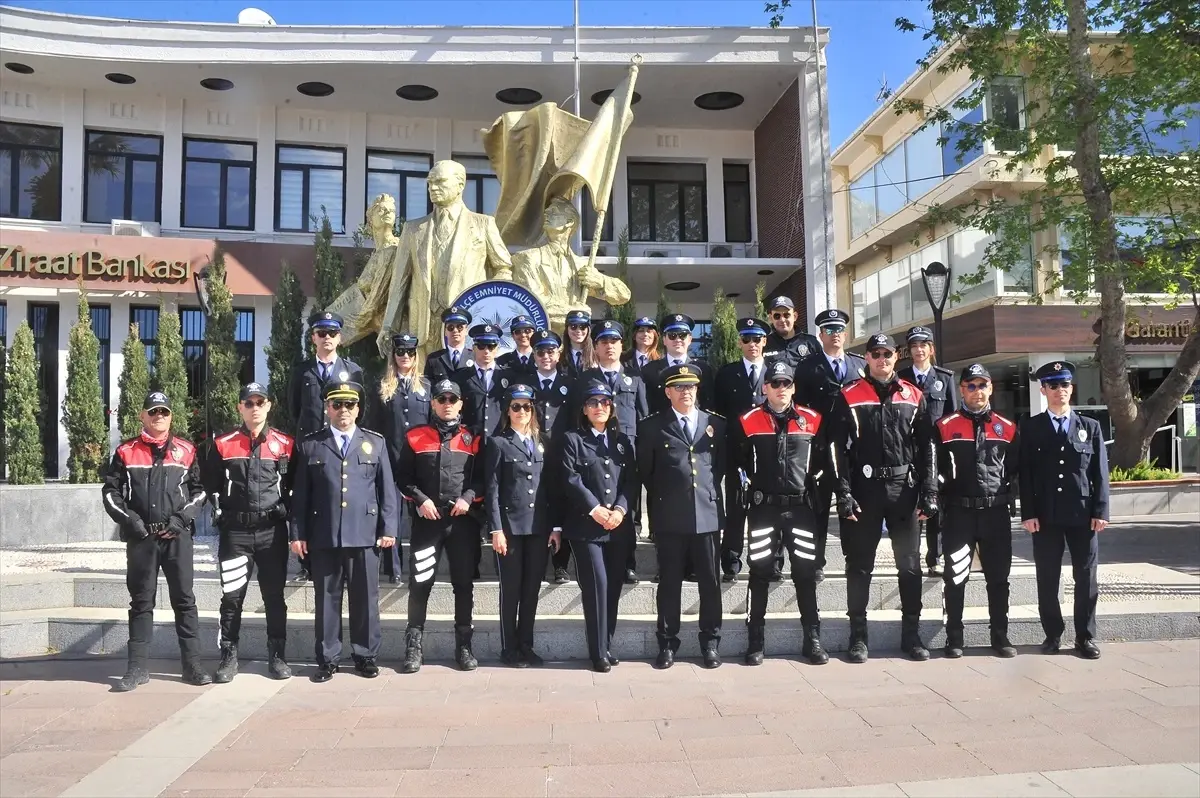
{"points": [[467, 438], [904, 391], [504, 382], [562, 389], [758, 497], [708, 430], [868, 471], [177, 454], [1082, 435], [541, 449], [343, 376], [273, 446], [621, 448], [998, 428], [937, 385], [628, 381], [366, 447], [471, 362]]}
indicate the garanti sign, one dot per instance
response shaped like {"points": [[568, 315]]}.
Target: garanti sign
{"points": [[92, 264]]}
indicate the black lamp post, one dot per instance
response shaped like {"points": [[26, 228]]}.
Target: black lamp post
{"points": [[200, 279], [936, 278]]}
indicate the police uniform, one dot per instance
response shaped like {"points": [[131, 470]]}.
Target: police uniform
{"points": [[600, 471], [1064, 487], [483, 396], [634, 360], [249, 480], [515, 361], [681, 462], [778, 451], [554, 397], [154, 492], [653, 372], [437, 464], [977, 472], [885, 465], [794, 349], [572, 359], [519, 502], [941, 397], [442, 363], [344, 506]]}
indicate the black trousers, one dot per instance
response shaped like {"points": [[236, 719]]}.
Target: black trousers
{"points": [[898, 509], [562, 557], [990, 531], [933, 528], [241, 552], [774, 528], [1048, 545], [600, 569], [822, 508], [390, 559], [143, 559], [458, 536], [675, 554], [520, 572], [636, 510], [356, 569], [733, 537]]}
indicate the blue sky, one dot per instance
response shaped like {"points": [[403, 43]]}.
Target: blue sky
{"points": [[864, 44]]}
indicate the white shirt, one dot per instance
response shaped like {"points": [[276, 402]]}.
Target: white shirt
{"points": [[524, 439], [921, 375], [642, 359], [342, 439], [693, 418], [1058, 419], [746, 364], [527, 354], [833, 361], [456, 355], [675, 361], [543, 376]]}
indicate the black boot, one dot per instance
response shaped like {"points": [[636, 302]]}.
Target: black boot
{"points": [[1001, 645], [758, 639], [857, 651], [462, 648], [812, 647], [954, 644], [136, 674], [413, 654], [277, 665], [910, 638], [229, 664], [193, 673]]}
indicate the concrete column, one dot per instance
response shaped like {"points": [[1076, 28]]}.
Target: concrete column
{"points": [[818, 197], [356, 171], [262, 336], [714, 178], [620, 200], [72, 158], [443, 143], [118, 333], [68, 309], [264, 188], [172, 163]]}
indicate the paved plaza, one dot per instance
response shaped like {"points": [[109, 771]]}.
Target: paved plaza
{"points": [[1128, 724]]}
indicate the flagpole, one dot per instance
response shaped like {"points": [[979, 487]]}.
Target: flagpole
{"points": [[577, 236]]}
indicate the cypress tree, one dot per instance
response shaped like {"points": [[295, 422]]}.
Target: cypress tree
{"points": [[83, 406], [663, 309], [285, 348], [224, 362], [24, 437], [329, 270], [724, 348], [133, 384], [626, 313], [760, 302], [170, 369], [3, 378]]}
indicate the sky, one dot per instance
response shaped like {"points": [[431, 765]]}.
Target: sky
{"points": [[865, 49]]}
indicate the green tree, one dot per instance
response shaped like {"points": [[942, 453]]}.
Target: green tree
{"points": [[24, 436], [285, 348], [664, 308], [724, 348], [1116, 108], [224, 362], [760, 302], [133, 385], [3, 382], [626, 313], [329, 270], [83, 406], [170, 369]]}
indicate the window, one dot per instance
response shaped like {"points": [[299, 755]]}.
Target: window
{"points": [[43, 320], [589, 218], [667, 202], [146, 318], [1134, 235], [404, 177], [102, 326], [30, 172], [737, 202], [890, 179], [309, 181], [3, 328], [123, 179], [193, 324], [1006, 107], [863, 211], [3, 350], [482, 191], [218, 184], [954, 133], [923, 156], [243, 337], [701, 339]]}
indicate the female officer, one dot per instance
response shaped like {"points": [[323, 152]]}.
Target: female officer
{"points": [[645, 345], [519, 512], [405, 404], [601, 481], [579, 355]]}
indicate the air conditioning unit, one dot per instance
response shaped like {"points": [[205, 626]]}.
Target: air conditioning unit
{"points": [[127, 227], [752, 250], [720, 251], [656, 253]]}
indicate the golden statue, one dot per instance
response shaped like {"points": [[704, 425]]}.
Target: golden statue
{"points": [[362, 304]]}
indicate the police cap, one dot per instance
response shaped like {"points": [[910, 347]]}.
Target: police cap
{"points": [[455, 315], [579, 317], [252, 389], [919, 334], [975, 371], [326, 320], [344, 390], [881, 341], [546, 338], [404, 341], [596, 387], [779, 370], [833, 318], [442, 387], [156, 399], [1057, 370], [519, 390], [781, 302], [485, 334], [752, 326], [682, 374], [607, 329], [647, 322], [521, 323], [676, 322]]}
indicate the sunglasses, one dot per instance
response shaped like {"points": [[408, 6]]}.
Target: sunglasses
{"points": [[598, 401], [406, 352], [546, 351], [446, 399], [684, 388], [972, 387], [327, 333], [578, 327], [522, 407], [250, 403], [879, 354], [484, 345], [344, 404], [159, 411], [455, 327], [752, 339], [678, 336], [1056, 385], [777, 384], [523, 331], [784, 315], [833, 330]]}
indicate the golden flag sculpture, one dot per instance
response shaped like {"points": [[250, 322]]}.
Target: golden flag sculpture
{"points": [[546, 152]]}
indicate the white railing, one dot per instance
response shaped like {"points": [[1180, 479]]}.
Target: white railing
{"points": [[1176, 445]]}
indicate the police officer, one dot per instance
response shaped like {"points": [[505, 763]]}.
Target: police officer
{"points": [[578, 355], [778, 444], [786, 341], [738, 388], [442, 363], [484, 383], [520, 501], [681, 462], [886, 469], [311, 379], [437, 473], [153, 491], [601, 479], [974, 503], [553, 397], [645, 344], [1064, 504], [521, 357], [246, 475], [937, 384], [819, 381], [404, 404], [677, 338], [344, 509]]}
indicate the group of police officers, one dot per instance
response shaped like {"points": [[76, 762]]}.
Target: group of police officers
{"points": [[545, 452]]}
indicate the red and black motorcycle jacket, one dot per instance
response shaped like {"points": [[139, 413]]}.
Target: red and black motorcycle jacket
{"points": [[155, 484], [437, 462], [977, 459], [782, 454], [249, 479]]}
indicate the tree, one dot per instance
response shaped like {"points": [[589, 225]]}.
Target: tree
{"points": [[24, 436], [285, 348], [1117, 107], [760, 302], [133, 384], [170, 369], [3, 382], [224, 363], [626, 313], [83, 406], [724, 348], [664, 308], [329, 270]]}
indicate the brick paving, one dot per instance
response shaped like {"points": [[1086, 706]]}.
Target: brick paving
{"points": [[564, 731]]}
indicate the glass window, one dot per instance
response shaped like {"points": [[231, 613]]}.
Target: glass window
{"points": [[956, 132], [668, 200], [737, 202], [123, 179], [30, 172], [404, 177], [589, 218], [863, 211], [923, 158], [1163, 133], [311, 180], [146, 318], [3, 327], [967, 249], [890, 177], [639, 213], [1006, 105], [701, 339], [243, 337], [482, 191], [218, 184], [192, 324], [101, 316]]}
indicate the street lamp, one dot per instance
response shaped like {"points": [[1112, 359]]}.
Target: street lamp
{"points": [[936, 278], [200, 280]]}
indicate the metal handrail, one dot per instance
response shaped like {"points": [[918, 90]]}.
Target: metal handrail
{"points": [[1176, 445]]}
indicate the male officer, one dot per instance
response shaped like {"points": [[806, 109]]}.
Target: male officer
{"points": [[778, 444], [521, 358], [677, 340], [886, 469], [681, 461], [977, 470], [153, 490], [442, 363], [1064, 503], [786, 341], [738, 388], [483, 384], [937, 384], [344, 510], [247, 477], [819, 381]]}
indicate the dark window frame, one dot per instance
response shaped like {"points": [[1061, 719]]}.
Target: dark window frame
{"points": [[651, 183], [588, 219], [480, 178], [127, 199], [244, 348], [305, 169], [16, 151], [749, 216], [225, 164], [105, 342], [150, 344], [404, 174]]}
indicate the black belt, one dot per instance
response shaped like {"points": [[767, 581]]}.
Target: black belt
{"points": [[249, 520], [779, 499], [976, 502], [889, 472]]}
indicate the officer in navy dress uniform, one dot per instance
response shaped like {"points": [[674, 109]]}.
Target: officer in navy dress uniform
{"points": [[601, 480], [1064, 504], [344, 506], [738, 388], [484, 383], [642, 353], [681, 462], [442, 363], [786, 341], [578, 354], [521, 358], [404, 403], [819, 381], [677, 340], [554, 396], [937, 384]]}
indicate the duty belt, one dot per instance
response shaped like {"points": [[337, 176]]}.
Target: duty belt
{"points": [[249, 520], [779, 499], [887, 472], [977, 502]]}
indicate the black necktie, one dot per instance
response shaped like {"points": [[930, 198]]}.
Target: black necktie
{"points": [[1061, 423], [546, 384], [921, 381], [601, 445], [454, 358], [345, 444], [753, 374], [578, 359], [837, 369], [524, 360], [612, 379], [325, 368], [529, 447], [687, 433]]}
